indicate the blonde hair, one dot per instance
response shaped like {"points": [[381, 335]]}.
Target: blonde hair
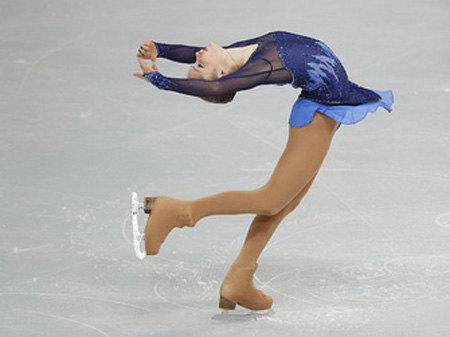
{"points": [[222, 99]]}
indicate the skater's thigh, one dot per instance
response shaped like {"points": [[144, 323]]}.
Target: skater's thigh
{"points": [[305, 151]]}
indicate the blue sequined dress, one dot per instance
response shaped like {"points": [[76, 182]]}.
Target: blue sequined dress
{"points": [[283, 58]]}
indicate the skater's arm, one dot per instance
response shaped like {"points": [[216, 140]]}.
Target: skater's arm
{"points": [[257, 73], [182, 53], [150, 50], [177, 52]]}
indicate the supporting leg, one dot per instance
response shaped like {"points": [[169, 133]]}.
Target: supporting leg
{"points": [[237, 286]]}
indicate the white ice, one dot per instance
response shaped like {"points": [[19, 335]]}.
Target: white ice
{"points": [[367, 253]]}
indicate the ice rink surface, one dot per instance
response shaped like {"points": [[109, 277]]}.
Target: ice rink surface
{"points": [[367, 253]]}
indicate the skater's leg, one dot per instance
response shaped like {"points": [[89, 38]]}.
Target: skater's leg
{"points": [[263, 227], [304, 153], [237, 286]]}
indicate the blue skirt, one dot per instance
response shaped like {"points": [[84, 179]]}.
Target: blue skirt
{"points": [[303, 110]]}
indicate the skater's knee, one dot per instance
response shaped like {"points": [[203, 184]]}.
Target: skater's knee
{"points": [[295, 202], [270, 210], [270, 202], [292, 205], [289, 207], [278, 208]]}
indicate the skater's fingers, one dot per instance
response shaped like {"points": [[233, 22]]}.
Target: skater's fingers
{"points": [[149, 49], [144, 66], [143, 53]]}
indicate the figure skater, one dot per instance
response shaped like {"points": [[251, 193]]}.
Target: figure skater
{"points": [[327, 100]]}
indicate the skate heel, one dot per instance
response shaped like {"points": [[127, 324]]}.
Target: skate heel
{"points": [[148, 204], [226, 304]]}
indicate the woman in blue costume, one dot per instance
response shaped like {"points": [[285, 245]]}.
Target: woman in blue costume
{"points": [[327, 100]]}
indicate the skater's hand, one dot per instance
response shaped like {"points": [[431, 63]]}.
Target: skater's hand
{"points": [[145, 69], [148, 51]]}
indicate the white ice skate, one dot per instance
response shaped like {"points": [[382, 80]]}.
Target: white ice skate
{"points": [[138, 237]]}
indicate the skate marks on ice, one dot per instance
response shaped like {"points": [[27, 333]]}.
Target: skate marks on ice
{"points": [[330, 316], [369, 282], [62, 311], [347, 295], [313, 314], [167, 299], [66, 297], [326, 319], [49, 52], [443, 220], [241, 315], [66, 320]]}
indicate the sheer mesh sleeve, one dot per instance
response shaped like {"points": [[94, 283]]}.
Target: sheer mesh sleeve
{"points": [[177, 52], [253, 73]]}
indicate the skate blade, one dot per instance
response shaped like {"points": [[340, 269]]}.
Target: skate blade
{"points": [[243, 315], [138, 237]]}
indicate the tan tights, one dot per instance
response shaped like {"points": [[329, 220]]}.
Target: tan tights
{"points": [[294, 174]]}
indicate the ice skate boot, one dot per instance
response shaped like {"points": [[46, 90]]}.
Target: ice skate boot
{"points": [[165, 214], [238, 288]]}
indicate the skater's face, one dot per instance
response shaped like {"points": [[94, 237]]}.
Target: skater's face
{"points": [[209, 64]]}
